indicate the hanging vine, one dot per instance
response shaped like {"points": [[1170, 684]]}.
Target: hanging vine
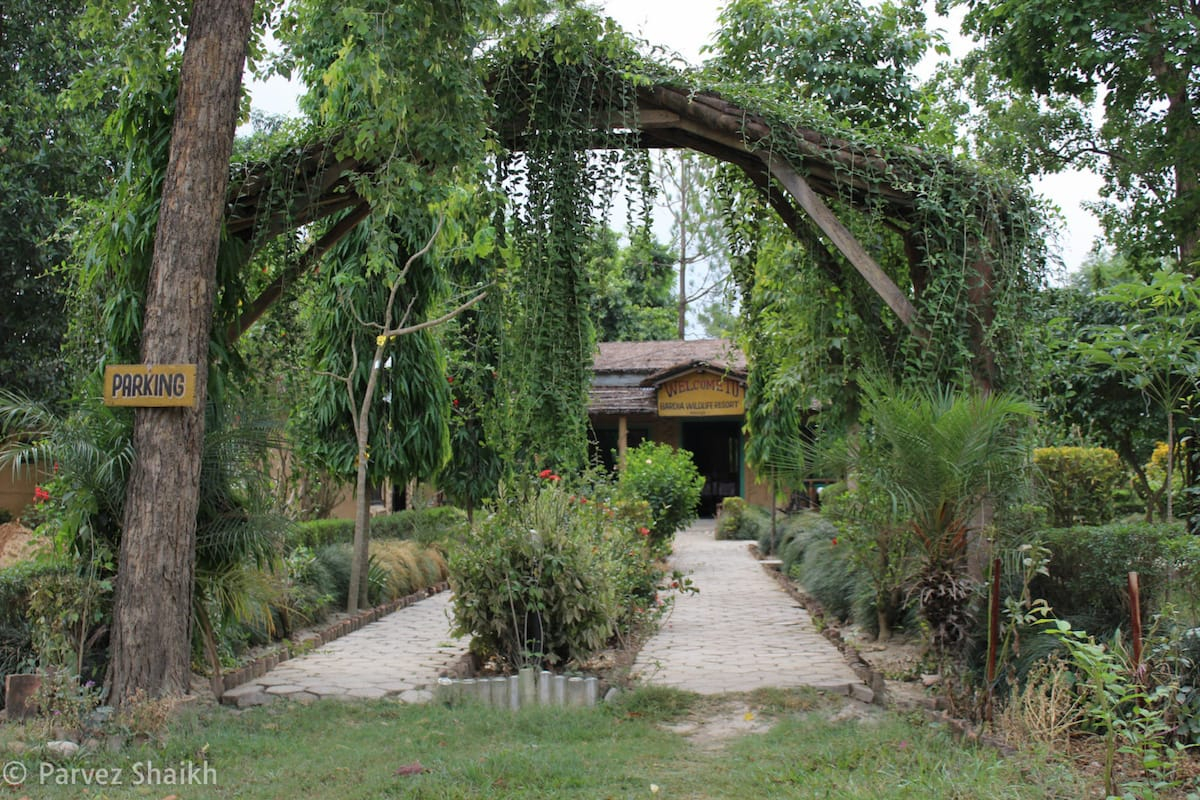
{"points": [[557, 96]]}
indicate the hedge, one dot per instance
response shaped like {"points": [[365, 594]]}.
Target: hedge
{"points": [[1089, 568], [1080, 483]]}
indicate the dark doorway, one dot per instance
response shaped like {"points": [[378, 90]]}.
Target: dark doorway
{"points": [[602, 449], [716, 447]]}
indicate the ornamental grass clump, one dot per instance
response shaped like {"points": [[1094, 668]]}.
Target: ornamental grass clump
{"points": [[552, 577]]}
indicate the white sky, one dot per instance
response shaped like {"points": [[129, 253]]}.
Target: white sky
{"points": [[684, 26]]}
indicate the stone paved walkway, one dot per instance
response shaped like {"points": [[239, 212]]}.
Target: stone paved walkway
{"points": [[742, 631], [400, 655]]}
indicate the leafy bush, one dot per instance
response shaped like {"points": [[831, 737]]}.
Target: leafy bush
{"points": [[669, 481], [550, 578], [16, 633], [317, 533], [66, 613], [740, 520], [1080, 483], [424, 525], [1087, 584]]}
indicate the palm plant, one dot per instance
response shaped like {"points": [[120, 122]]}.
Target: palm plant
{"points": [[87, 453], [90, 454], [947, 461], [239, 552]]}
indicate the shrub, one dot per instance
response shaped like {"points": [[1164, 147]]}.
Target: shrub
{"points": [[67, 611], [1087, 584], [311, 589], [16, 633], [550, 577], [826, 573], [669, 481], [318, 533], [739, 520], [425, 525], [396, 569], [797, 531], [1080, 483]]}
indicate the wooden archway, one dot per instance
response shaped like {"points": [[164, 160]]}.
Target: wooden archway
{"points": [[318, 184]]}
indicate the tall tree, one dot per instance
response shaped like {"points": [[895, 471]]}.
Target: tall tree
{"points": [[1052, 61], [48, 154], [631, 295], [1157, 350], [697, 233], [152, 608]]}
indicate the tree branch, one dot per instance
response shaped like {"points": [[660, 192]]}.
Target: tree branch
{"points": [[274, 290]]}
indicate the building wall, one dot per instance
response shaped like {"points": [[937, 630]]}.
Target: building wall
{"points": [[756, 492], [16, 492]]}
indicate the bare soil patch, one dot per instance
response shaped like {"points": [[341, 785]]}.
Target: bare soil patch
{"points": [[16, 544], [713, 729]]}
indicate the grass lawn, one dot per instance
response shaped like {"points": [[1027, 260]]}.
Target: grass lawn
{"points": [[652, 743]]}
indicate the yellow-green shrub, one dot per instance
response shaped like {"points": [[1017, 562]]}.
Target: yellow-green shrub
{"points": [[1080, 483]]}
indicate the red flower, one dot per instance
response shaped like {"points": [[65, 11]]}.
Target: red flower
{"points": [[546, 473], [449, 379], [455, 402], [40, 495], [644, 531], [555, 478], [835, 541]]}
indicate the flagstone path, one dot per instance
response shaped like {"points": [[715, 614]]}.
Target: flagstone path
{"points": [[742, 631]]}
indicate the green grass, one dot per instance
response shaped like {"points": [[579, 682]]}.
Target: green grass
{"points": [[353, 750]]}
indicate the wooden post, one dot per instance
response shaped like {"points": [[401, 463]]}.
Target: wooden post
{"points": [[842, 238], [993, 636], [1135, 614], [622, 441]]}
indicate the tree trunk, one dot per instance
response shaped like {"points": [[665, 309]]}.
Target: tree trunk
{"points": [[683, 258], [151, 644]]}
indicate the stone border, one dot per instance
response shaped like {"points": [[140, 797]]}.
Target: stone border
{"points": [[934, 709], [314, 639], [866, 673]]}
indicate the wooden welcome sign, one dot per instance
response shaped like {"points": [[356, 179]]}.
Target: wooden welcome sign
{"points": [[150, 385]]}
